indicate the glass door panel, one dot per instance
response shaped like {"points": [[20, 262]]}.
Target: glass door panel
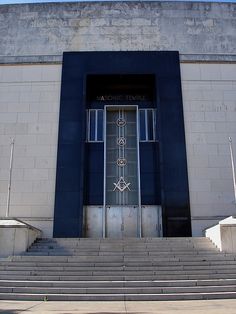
{"points": [[121, 158], [121, 173]]}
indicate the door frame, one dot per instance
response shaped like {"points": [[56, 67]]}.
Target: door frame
{"points": [[139, 218]]}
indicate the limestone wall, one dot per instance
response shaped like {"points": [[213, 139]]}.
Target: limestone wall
{"points": [[29, 112], [29, 106], [209, 98]]}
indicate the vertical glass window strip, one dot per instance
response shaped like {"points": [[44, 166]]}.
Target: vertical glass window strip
{"points": [[147, 125], [92, 125], [142, 126], [154, 124], [99, 125], [95, 125], [150, 126]]}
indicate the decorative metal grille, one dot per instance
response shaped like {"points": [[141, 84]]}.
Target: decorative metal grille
{"points": [[121, 158]]}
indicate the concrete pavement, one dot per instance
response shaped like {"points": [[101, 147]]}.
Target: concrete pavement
{"points": [[157, 307]]}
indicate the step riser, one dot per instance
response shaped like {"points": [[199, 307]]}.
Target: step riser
{"points": [[120, 264], [167, 297], [116, 278], [51, 268], [109, 290], [125, 246], [117, 273], [123, 253], [117, 284], [96, 259], [126, 250]]}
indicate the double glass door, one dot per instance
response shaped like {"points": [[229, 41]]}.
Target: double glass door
{"points": [[122, 214]]}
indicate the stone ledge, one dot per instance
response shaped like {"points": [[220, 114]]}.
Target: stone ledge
{"points": [[16, 236], [57, 59], [15, 222], [50, 59], [223, 235]]}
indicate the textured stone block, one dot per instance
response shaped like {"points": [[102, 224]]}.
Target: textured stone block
{"points": [[205, 149], [40, 128], [48, 117], [190, 72], [100, 22], [120, 22], [202, 127], [51, 73], [8, 117], [228, 71], [32, 73], [27, 117], [35, 174], [24, 162], [10, 74], [39, 150], [15, 128], [210, 72], [141, 21], [215, 116]]}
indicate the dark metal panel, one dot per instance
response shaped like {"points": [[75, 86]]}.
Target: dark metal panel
{"points": [[93, 191], [70, 158], [70, 183], [174, 177], [150, 173]]}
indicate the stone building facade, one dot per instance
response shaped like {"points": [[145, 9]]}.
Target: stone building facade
{"points": [[33, 40]]}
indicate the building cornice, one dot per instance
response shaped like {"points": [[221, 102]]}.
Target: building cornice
{"points": [[57, 59]]}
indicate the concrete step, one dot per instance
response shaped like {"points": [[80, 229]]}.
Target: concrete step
{"points": [[119, 269], [118, 297], [135, 241], [124, 272], [134, 250], [53, 256], [128, 240], [89, 284], [180, 258], [113, 277], [122, 248], [88, 246], [112, 253], [19, 263], [117, 290], [76, 268], [124, 244]]}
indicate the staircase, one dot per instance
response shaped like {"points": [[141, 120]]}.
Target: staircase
{"points": [[119, 269]]}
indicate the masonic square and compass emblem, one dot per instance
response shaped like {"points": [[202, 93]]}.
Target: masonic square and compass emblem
{"points": [[121, 185]]}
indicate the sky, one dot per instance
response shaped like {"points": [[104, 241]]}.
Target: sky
{"points": [[41, 1]]}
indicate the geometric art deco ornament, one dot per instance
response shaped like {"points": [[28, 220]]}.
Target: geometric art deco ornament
{"points": [[121, 141], [120, 122], [121, 162]]}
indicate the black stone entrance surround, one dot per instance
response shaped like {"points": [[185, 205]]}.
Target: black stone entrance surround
{"points": [[163, 164]]}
